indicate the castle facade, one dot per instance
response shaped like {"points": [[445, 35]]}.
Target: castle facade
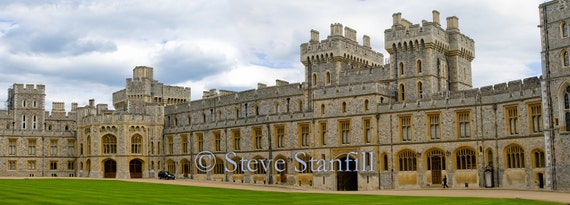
{"points": [[357, 122]]}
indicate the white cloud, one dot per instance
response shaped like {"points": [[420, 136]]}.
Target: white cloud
{"points": [[85, 49]]}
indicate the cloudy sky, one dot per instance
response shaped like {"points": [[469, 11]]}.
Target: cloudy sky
{"points": [[85, 49]]}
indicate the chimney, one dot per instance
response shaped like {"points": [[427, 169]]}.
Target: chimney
{"points": [[452, 23], [396, 18], [366, 41], [314, 36], [435, 15]]}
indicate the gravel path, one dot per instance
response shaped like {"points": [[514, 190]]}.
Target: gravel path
{"points": [[562, 197]]}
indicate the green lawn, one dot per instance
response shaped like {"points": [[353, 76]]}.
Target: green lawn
{"points": [[80, 191]]}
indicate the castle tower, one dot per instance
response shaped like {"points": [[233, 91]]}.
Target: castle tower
{"points": [[27, 102], [555, 42], [339, 52], [426, 59]]}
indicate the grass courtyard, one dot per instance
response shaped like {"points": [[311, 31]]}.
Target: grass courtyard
{"points": [[83, 191]]}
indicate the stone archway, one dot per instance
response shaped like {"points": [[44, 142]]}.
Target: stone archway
{"points": [[346, 176], [135, 168], [185, 167], [110, 168]]}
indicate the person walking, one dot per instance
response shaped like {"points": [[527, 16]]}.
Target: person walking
{"points": [[445, 182]]}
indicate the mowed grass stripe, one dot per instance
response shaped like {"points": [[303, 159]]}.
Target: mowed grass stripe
{"points": [[84, 191]]}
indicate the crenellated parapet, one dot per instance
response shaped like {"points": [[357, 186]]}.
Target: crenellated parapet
{"points": [[513, 91], [340, 47], [429, 35]]}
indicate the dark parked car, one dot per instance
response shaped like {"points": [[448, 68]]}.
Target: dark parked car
{"points": [[165, 175]]}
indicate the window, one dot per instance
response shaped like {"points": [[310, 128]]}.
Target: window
{"points": [[564, 29], [257, 166], [258, 135], [322, 109], [109, 144], [53, 147], [367, 133], [300, 105], [236, 113], [515, 156], [276, 108], [136, 142], [565, 60], [567, 108], [511, 120], [31, 165], [200, 139], [32, 147], [401, 93], [323, 131], [535, 113], [328, 78], [34, 124], [385, 162], [314, 79], [237, 139], [345, 132], [304, 134], [463, 124], [184, 144], [170, 147], [366, 105], [217, 142], [465, 158], [280, 133], [401, 68], [53, 165], [434, 127], [407, 160], [70, 165], [88, 145], [420, 90], [219, 167], [71, 147], [12, 165], [302, 168], [218, 115], [12, 147], [406, 128], [343, 108], [538, 158], [419, 66], [24, 121], [256, 110]]}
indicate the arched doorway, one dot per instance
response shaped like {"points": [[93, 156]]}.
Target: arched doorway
{"points": [[135, 168], [185, 167], [435, 163], [540, 180], [88, 167], [110, 168], [282, 175], [347, 177]]}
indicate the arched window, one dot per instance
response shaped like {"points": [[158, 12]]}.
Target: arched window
{"points": [[314, 79], [343, 108], [401, 92], [203, 117], [564, 29], [407, 160], [401, 68], [136, 142], [88, 145], [384, 162], [366, 105], [328, 78], [515, 156], [565, 59], [322, 109], [538, 159], [465, 158], [109, 144], [419, 66], [256, 110], [276, 108], [420, 90], [435, 160]]}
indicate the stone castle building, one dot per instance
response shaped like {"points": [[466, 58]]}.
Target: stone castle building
{"points": [[355, 123]]}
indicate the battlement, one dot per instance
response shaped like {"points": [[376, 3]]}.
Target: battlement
{"points": [[503, 92], [407, 36], [28, 88], [340, 46]]}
